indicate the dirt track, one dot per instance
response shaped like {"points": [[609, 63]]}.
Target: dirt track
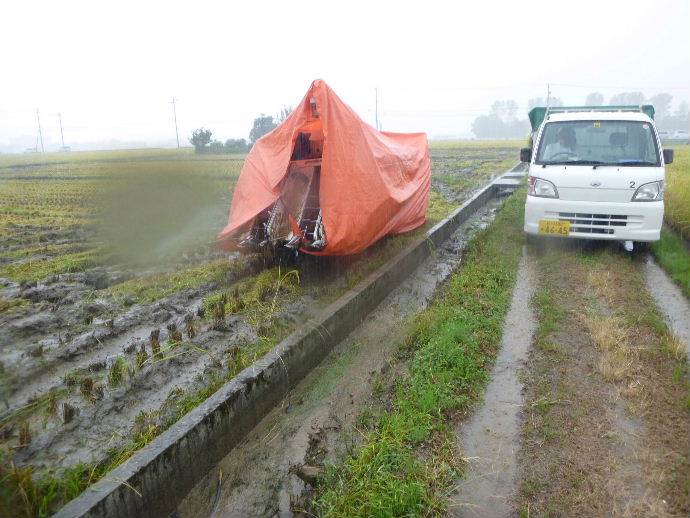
{"points": [[605, 424]]}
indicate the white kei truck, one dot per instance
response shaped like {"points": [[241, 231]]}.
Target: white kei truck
{"points": [[595, 172]]}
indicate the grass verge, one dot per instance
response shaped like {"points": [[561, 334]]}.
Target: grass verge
{"points": [[678, 191], [674, 257], [406, 462]]}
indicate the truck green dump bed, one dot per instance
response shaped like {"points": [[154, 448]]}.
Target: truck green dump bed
{"points": [[539, 113]]}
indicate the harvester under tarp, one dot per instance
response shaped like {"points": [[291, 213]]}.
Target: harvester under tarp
{"points": [[326, 183]]}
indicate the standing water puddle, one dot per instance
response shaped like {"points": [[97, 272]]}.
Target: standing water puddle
{"points": [[491, 437], [670, 300]]}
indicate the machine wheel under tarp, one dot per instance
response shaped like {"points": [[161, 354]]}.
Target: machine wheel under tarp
{"points": [[295, 219]]}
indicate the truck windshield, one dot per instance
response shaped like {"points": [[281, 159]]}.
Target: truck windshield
{"points": [[606, 142]]}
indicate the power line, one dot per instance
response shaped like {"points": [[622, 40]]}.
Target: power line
{"points": [[514, 86]]}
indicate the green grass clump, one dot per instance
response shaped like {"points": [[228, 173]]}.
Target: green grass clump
{"points": [[148, 289], [671, 251], [118, 372], [261, 292], [22, 493], [405, 464], [7, 304], [438, 208], [674, 257], [38, 270]]}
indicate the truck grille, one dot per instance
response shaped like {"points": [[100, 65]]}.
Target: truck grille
{"points": [[584, 223]]}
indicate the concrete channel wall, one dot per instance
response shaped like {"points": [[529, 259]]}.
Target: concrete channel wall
{"points": [[156, 478]]}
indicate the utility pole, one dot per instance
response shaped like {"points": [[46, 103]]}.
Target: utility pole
{"points": [[62, 136], [376, 91], [177, 135], [40, 133], [548, 95]]}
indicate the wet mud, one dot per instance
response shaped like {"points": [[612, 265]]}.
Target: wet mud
{"points": [[59, 345], [52, 359]]}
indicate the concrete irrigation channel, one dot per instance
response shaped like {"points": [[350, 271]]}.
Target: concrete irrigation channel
{"points": [[156, 479]]}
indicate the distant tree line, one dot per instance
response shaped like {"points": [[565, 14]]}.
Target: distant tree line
{"points": [[503, 121], [203, 142], [664, 116]]}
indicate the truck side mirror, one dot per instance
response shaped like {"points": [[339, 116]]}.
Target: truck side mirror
{"points": [[668, 156], [526, 154]]}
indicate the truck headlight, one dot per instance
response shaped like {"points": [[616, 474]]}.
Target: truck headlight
{"points": [[653, 191], [542, 188]]}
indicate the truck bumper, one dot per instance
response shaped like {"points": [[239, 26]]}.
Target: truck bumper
{"points": [[634, 221]]}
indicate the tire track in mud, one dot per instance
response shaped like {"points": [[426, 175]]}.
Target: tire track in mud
{"points": [[670, 300], [605, 427], [490, 439], [317, 420]]}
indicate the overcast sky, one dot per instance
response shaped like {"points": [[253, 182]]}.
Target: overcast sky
{"points": [[112, 68]]}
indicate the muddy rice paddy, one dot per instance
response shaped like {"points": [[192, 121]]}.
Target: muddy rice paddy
{"points": [[105, 342]]}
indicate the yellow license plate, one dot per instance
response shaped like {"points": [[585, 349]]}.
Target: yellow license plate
{"points": [[549, 226]]}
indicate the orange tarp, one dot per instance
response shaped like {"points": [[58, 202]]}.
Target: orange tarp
{"points": [[372, 183]]}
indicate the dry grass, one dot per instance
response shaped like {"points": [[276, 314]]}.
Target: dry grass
{"points": [[610, 335], [615, 365], [608, 332], [600, 280], [675, 346]]}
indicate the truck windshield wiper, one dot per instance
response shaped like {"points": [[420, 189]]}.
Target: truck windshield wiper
{"points": [[576, 162], [635, 162]]}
